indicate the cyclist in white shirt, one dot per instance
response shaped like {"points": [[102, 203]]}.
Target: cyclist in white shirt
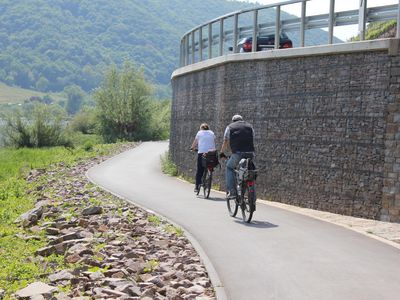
{"points": [[204, 142]]}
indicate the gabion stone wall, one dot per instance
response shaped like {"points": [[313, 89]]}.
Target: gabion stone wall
{"points": [[326, 127]]}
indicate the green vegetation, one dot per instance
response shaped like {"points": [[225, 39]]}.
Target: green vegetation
{"points": [[13, 95], [16, 270], [40, 128], [151, 266], [173, 229], [125, 110], [376, 30], [75, 97], [156, 221], [50, 44], [168, 166], [85, 121]]}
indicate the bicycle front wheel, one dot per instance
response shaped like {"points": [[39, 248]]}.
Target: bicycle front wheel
{"points": [[232, 206], [207, 184], [248, 202]]}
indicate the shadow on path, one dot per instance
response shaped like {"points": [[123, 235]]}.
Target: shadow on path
{"points": [[255, 224], [211, 198]]}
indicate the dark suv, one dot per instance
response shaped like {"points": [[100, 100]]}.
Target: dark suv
{"points": [[266, 42]]}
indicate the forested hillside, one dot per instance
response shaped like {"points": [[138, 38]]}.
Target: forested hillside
{"points": [[47, 45]]}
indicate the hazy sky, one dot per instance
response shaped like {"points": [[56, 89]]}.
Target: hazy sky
{"points": [[316, 7]]}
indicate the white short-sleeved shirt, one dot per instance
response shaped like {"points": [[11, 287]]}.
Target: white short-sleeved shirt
{"points": [[206, 140]]}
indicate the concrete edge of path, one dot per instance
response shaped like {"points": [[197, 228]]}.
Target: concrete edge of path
{"points": [[212, 273], [302, 211]]}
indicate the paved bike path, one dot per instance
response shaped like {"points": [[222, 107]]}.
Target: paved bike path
{"points": [[281, 255]]}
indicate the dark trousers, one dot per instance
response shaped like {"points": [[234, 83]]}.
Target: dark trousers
{"points": [[200, 168]]}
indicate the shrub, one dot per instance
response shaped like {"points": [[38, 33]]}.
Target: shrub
{"points": [[85, 121], [43, 127], [88, 146], [168, 166]]}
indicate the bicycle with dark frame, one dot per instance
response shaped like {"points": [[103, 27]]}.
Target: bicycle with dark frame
{"points": [[245, 187], [210, 161]]}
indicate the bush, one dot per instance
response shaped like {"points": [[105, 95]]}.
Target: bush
{"points": [[88, 146], [41, 128], [79, 139], [85, 121]]}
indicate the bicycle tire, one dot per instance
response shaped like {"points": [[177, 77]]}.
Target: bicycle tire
{"points": [[247, 206], [207, 183], [232, 206]]}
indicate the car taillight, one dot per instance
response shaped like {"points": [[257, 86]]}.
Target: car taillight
{"points": [[247, 46], [287, 44]]}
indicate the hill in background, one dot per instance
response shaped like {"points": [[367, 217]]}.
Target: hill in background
{"points": [[47, 45]]}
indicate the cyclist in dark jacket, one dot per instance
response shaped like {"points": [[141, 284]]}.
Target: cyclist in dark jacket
{"points": [[238, 136]]}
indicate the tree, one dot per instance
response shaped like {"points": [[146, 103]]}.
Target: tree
{"points": [[75, 96], [123, 103], [42, 84]]}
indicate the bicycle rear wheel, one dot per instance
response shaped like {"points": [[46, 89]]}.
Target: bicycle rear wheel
{"points": [[207, 183], [248, 202]]}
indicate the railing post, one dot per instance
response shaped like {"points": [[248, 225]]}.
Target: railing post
{"points": [[235, 32], [183, 51], [303, 23], [187, 50], [221, 37], [398, 21], [193, 48], [331, 21], [362, 19], [277, 26], [210, 40], [180, 54], [201, 44], [255, 31]]}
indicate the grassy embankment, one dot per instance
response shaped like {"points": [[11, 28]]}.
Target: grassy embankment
{"points": [[16, 266], [14, 95]]}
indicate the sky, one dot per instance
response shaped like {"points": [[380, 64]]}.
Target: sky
{"points": [[316, 7]]}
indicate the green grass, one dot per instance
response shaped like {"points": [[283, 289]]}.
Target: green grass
{"points": [[18, 162], [9, 94], [156, 221], [16, 269], [376, 29], [173, 229], [168, 166]]}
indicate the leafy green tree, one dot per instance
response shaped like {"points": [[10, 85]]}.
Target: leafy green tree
{"points": [[75, 97], [42, 84], [161, 119], [124, 106]]}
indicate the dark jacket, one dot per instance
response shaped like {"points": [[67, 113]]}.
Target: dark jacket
{"points": [[241, 137]]}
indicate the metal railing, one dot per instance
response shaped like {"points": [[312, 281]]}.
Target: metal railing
{"points": [[201, 43]]}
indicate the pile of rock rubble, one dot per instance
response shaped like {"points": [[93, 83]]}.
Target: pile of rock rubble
{"points": [[111, 249]]}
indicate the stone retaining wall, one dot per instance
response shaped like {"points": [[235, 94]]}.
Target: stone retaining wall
{"points": [[326, 126]]}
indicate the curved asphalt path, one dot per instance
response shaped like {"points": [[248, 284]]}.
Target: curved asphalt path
{"points": [[281, 255]]}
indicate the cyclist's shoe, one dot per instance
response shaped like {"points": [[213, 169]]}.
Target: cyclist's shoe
{"points": [[230, 195], [196, 189]]}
